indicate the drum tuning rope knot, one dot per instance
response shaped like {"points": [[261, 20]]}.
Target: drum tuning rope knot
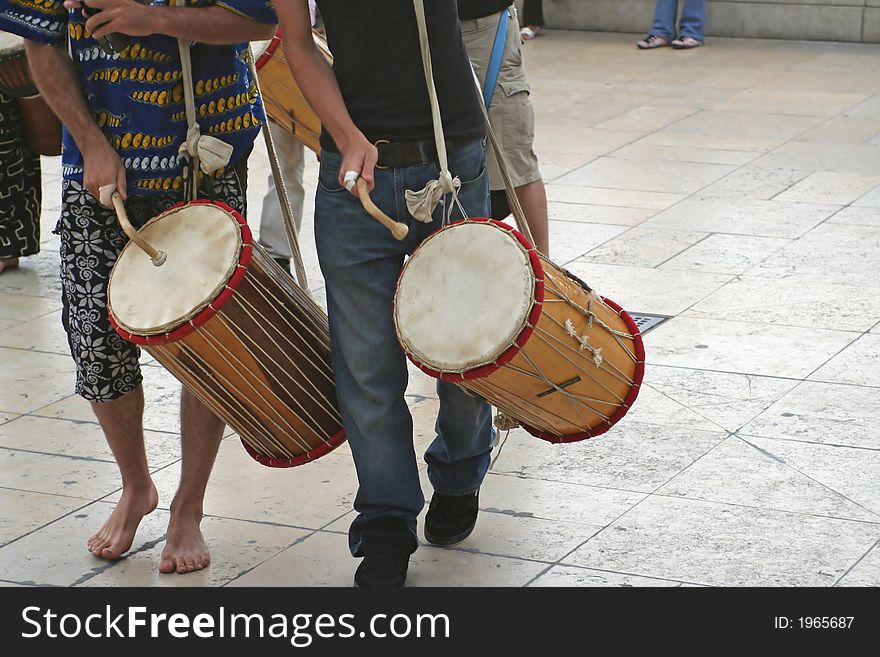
{"points": [[583, 341], [504, 422]]}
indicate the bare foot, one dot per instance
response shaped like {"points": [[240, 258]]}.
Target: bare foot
{"points": [[185, 548], [117, 534], [8, 263]]}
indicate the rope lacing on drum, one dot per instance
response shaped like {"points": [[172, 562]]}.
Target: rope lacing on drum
{"points": [[584, 342]]}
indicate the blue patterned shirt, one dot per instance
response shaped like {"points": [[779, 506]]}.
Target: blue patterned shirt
{"points": [[136, 96]]}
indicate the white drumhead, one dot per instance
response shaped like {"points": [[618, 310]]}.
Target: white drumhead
{"points": [[203, 245], [10, 43], [464, 297]]}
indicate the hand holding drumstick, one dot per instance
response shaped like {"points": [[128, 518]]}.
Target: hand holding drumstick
{"points": [[398, 229]]}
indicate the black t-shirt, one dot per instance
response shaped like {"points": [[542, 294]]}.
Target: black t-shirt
{"points": [[378, 64], [471, 9]]}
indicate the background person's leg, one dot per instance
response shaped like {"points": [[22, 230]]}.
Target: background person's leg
{"points": [[291, 157], [664, 19], [693, 19]]}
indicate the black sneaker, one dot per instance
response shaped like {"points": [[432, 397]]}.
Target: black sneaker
{"points": [[387, 544], [451, 518]]}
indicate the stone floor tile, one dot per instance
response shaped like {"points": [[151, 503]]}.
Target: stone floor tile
{"points": [[829, 187], [645, 289], [866, 572], [646, 175], [799, 102], [32, 380], [84, 440], [632, 456], [828, 252], [57, 475], [753, 183], [611, 197], [21, 308], [849, 471], [726, 254], [859, 216], [644, 247], [22, 512], [869, 200], [570, 240], [858, 364], [554, 500], [726, 545], [724, 399], [597, 214], [739, 472], [559, 576], [44, 333], [236, 546], [859, 159], [822, 413], [307, 496], [646, 118], [739, 217], [758, 124], [744, 347], [793, 301], [522, 537], [57, 554]]}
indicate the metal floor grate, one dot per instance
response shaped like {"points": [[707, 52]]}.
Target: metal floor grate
{"points": [[646, 321]]}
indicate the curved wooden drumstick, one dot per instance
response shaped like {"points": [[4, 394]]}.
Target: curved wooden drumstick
{"points": [[398, 229], [158, 257]]}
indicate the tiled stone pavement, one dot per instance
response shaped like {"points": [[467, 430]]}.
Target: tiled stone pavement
{"points": [[735, 188]]}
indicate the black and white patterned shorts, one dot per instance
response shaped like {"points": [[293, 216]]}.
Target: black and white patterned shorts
{"points": [[91, 240]]}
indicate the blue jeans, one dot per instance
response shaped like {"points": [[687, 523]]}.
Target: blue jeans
{"points": [[361, 262], [693, 19]]}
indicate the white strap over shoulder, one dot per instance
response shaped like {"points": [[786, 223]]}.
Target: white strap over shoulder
{"points": [[206, 153], [421, 203]]}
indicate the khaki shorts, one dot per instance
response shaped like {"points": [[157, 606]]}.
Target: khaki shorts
{"points": [[511, 112]]}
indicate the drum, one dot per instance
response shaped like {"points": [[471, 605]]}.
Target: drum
{"points": [[284, 101], [228, 323], [15, 76], [42, 129], [477, 305]]}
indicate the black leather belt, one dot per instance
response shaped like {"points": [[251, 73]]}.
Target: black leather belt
{"points": [[396, 154]]}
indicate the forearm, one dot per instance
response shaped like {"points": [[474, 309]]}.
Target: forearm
{"points": [[213, 25], [58, 83], [318, 83]]}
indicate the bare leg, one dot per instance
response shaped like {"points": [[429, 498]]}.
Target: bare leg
{"points": [[201, 431], [8, 263], [533, 199], [122, 422]]}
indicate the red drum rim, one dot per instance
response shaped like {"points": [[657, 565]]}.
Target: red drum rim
{"points": [[214, 306], [639, 374], [524, 335], [263, 59], [302, 459]]}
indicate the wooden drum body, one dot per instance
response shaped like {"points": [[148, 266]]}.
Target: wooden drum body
{"points": [[227, 322], [477, 305], [284, 100]]}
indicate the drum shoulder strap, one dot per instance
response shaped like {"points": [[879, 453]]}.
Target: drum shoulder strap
{"points": [[497, 56]]}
